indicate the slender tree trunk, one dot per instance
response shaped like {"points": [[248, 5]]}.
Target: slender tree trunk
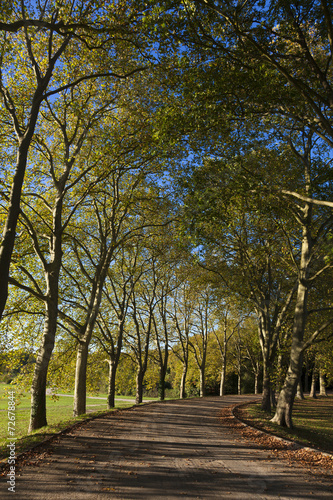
{"points": [[322, 385], [256, 379], [163, 371], [256, 383], [306, 377], [139, 386], [314, 379], [202, 381], [182, 389], [239, 384], [112, 384], [223, 376], [85, 335]]}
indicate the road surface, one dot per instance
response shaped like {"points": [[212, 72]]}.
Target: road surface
{"points": [[171, 450]]}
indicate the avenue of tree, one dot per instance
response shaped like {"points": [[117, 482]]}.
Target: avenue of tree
{"points": [[166, 195]]}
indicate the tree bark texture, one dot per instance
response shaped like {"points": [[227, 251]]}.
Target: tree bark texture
{"points": [[38, 388], [322, 384], [80, 379], [299, 393]]}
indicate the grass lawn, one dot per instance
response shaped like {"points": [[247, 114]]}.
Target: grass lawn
{"points": [[312, 419], [59, 416]]}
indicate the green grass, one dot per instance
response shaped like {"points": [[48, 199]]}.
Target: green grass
{"points": [[59, 417], [312, 419]]}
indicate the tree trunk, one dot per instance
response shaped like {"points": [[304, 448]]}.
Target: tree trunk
{"points": [[239, 384], [182, 388], [223, 376], [9, 232], [256, 379], [314, 383], [306, 377], [266, 390], [256, 383], [322, 385], [139, 386], [202, 382], [86, 332], [283, 414], [299, 393], [38, 388], [80, 379], [112, 385], [161, 385]]}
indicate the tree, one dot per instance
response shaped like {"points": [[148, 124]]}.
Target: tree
{"points": [[62, 140], [182, 318], [36, 40], [223, 334], [121, 279], [143, 304], [202, 328]]}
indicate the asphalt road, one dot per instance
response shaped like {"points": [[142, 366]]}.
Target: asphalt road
{"points": [[172, 450]]}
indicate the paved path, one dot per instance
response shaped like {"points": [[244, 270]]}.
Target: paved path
{"points": [[173, 450]]}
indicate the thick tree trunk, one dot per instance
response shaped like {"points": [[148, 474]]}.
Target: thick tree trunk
{"points": [[9, 232], [283, 414], [139, 386], [38, 388], [80, 379], [266, 391], [322, 384], [182, 388]]}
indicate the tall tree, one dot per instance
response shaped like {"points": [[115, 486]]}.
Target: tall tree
{"points": [[36, 40], [59, 148]]}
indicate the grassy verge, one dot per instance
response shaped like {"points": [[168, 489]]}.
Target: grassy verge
{"points": [[312, 418], [59, 417]]}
